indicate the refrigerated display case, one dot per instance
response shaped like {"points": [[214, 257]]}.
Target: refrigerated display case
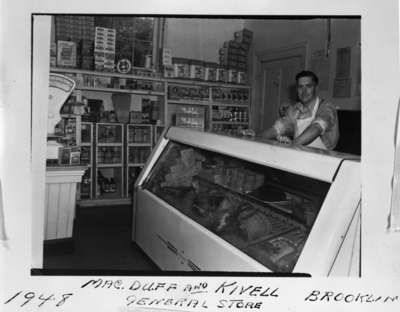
{"points": [[213, 202]]}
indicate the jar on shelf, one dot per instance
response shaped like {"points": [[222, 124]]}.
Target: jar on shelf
{"points": [[222, 74], [210, 72], [196, 70], [181, 67]]}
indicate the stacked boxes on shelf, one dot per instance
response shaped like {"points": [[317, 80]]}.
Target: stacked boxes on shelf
{"points": [[233, 55], [183, 92], [234, 52], [104, 49], [190, 117], [230, 95], [183, 68], [230, 110], [233, 114]]}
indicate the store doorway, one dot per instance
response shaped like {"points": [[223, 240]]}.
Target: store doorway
{"points": [[279, 86], [278, 69]]}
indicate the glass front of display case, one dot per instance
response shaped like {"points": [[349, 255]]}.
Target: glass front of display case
{"points": [[265, 212]]}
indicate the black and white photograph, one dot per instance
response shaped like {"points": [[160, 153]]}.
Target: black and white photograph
{"points": [[190, 159], [172, 138]]}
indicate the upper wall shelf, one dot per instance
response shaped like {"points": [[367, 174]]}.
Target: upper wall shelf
{"points": [[205, 83], [141, 92], [169, 80], [98, 73]]}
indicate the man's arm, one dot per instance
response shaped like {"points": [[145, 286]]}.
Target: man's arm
{"points": [[269, 134], [309, 135], [324, 120]]}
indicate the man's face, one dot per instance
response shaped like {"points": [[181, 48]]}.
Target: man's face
{"points": [[306, 89]]}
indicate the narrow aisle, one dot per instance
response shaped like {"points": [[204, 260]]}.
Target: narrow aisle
{"points": [[102, 241]]}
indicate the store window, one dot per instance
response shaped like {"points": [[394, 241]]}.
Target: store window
{"points": [[127, 37]]}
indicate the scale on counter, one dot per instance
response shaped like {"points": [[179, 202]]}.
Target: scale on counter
{"points": [[60, 88]]}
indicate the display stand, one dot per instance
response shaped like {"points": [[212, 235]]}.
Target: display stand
{"points": [[60, 199]]}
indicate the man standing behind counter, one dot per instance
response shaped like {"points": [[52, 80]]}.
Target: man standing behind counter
{"points": [[312, 121]]}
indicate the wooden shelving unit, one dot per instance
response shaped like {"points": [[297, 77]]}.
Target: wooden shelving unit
{"points": [[202, 96], [139, 144]]}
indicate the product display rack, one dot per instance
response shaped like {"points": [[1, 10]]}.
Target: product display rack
{"points": [[139, 144], [223, 107], [109, 181], [71, 129], [116, 83], [201, 97], [230, 108], [109, 82]]}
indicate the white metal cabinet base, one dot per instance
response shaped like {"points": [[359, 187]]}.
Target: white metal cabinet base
{"points": [[60, 200], [175, 242]]}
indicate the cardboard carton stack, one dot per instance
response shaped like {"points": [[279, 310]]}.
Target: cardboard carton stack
{"points": [[234, 53], [104, 49]]}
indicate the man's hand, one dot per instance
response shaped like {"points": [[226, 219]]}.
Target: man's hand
{"points": [[284, 139], [248, 132]]}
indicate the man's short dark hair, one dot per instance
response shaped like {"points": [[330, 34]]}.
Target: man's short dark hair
{"points": [[307, 73]]}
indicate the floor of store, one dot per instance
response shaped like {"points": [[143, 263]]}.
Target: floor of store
{"points": [[102, 241]]}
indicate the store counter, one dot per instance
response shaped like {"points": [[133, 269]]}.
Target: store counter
{"points": [[60, 200], [260, 206]]}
